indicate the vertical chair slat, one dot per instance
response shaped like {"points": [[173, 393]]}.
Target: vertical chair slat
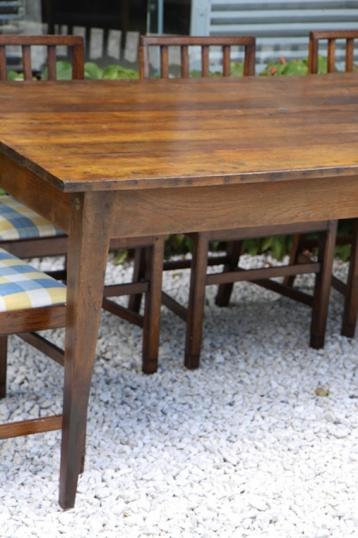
{"points": [[78, 62], [143, 63], [331, 57], [349, 55], [313, 55], [250, 59], [226, 60], [26, 62], [205, 61], [51, 62], [3, 72], [164, 61], [184, 56]]}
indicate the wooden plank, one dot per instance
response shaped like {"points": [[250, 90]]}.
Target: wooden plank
{"points": [[258, 274], [299, 115], [27, 427], [236, 206]]}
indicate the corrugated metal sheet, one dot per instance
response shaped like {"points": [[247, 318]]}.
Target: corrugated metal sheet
{"points": [[281, 28], [10, 10]]}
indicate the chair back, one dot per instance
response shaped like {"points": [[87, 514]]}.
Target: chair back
{"points": [[204, 43], [331, 37], [51, 42]]}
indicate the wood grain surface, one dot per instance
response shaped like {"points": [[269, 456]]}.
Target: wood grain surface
{"points": [[108, 135]]}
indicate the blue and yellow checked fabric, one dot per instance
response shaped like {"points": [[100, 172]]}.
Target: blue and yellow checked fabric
{"points": [[22, 286], [20, 222]]}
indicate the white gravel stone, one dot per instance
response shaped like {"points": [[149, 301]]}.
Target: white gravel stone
{"points": [[243, 447]]}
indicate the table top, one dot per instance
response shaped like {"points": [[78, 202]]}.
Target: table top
{"points": [[110, 135]]}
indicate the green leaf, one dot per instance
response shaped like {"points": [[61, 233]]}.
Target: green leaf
{"points": [[92, 71], [63, 71], [343, 252], [117, 72], [121, 257], [295, 68], [237, 69], [322, 65], [14, 75]]}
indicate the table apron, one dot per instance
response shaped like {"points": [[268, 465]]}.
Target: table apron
{"points": [[194, 209], [36, 193], [139, 213]]}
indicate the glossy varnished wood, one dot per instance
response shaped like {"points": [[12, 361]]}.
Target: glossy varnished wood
{"points": [[196, 156], [156, 134]]}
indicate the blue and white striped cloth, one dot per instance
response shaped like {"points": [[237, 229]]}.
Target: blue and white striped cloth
{"points": [[20, 222], [22, 286]]}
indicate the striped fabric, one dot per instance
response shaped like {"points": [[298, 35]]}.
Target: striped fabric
{"points": [[19, 222], [22, 286]]}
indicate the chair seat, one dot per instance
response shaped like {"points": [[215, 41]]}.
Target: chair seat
{"points": [[20, 222], [23, 287]]}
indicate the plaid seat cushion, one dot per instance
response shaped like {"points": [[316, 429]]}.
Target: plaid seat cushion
{"points": [[20, 222], [22, 286]]}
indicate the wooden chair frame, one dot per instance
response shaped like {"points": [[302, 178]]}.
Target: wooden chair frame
{"points": [[193, 315], [349, 290], [21, 322], [184, 42], [149, 281], [74, 43], [331, 37]]}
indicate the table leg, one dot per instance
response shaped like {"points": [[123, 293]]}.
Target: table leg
{"points": [[351, 295], [195, 317], [88, 247]]}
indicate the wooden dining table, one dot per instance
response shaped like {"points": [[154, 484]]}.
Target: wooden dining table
{"points": [[105, 159]]}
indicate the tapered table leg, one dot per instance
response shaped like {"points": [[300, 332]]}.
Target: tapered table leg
{"points": [[87, 255]]}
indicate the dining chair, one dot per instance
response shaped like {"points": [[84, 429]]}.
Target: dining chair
{"points": [[193, 314], [325, 42], [30, 300], [27, 234]]}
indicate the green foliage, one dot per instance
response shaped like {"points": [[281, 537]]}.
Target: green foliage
{"points": [[63, 71], [92, 72], [237, 69], [14, 75], [293, 67], [117, 72]]}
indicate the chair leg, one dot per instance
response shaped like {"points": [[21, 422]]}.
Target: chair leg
{"points": [[294, 253], [351, 295], [3, 365], [224, 290], [323, 287], [134, 301], [195, 317], [151, 329]]}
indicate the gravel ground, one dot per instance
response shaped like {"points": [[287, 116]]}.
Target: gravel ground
{"points": [[243, 447]]}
